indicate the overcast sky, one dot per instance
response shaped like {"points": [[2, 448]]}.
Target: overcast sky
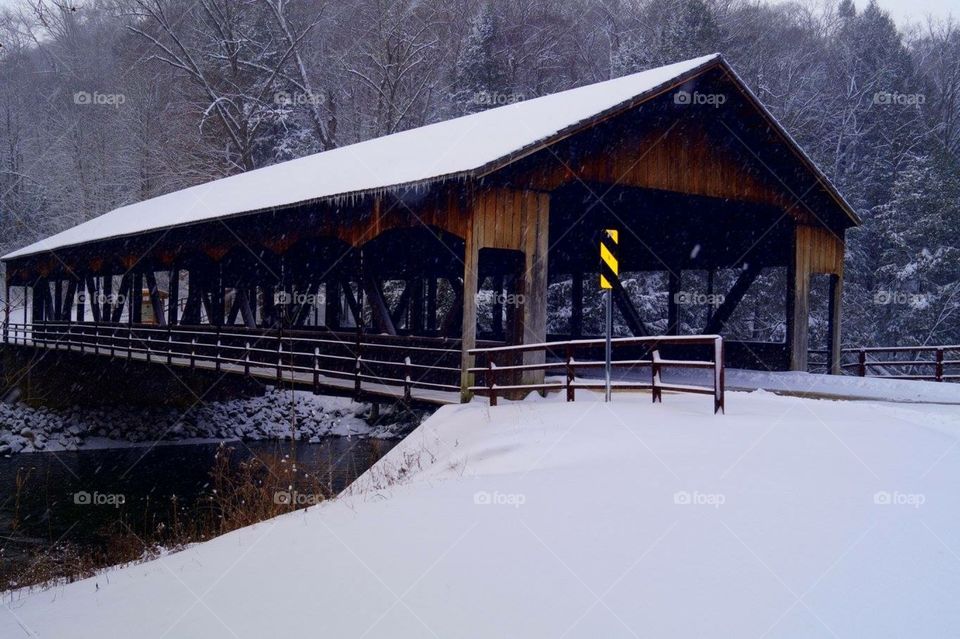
{"points": [[903, 11]]}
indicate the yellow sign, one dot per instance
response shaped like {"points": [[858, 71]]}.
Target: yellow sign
{"points": [[609, 265]]}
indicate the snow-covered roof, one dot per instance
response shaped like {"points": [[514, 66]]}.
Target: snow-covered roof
{"points": [[468, 145]]}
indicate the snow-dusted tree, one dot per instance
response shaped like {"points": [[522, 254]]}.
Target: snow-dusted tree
{"points": [[481, 72], [394, 64], [917, 294]]}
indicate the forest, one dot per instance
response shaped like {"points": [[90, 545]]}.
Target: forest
{"points": [[108, 102]]}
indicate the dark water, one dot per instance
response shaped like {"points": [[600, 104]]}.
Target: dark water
{"points": [[73, 496]]}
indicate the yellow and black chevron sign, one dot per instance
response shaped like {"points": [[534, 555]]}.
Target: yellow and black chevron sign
{"points": [[609, 257]]}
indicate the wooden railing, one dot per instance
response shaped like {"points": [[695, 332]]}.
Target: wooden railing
{"points": [[306, 357], [931, 363], [505, 364]]}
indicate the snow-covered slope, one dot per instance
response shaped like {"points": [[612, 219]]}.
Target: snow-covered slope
{"points": [[446, 148], [787, 517]]}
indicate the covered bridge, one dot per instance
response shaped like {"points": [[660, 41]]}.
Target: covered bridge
{"points": [[479, 228]]}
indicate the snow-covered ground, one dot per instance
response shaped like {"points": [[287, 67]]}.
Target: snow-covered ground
{"points": [[275, 415], [786, 517]]}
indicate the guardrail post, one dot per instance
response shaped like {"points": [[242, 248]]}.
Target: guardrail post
{"points": [[656, 393], [356, 378], [193, 351], [939, 373], [149, 338], [492, 379], [571, 390], [316, 370], [113, 342], [719, 366], [218, 355], [169, 348], [407, 392], [279, 360], [129, 341], [862, 363], [246, 359], [96, 339]]}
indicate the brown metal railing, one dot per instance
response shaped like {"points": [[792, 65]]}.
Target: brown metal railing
{"points": [[305, 357], [502, 363], [931, 363]]}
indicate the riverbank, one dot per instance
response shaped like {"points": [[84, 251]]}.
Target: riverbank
{"points": [[786, 517], [277, 415]]}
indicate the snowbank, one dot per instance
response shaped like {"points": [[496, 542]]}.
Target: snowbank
{"points": [[787, 517], [275, 415]]}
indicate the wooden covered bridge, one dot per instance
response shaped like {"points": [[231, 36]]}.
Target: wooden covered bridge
{"points": [[384, 263]]}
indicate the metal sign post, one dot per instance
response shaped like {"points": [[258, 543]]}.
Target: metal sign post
{"points": [[609, 273], [608, 353]]}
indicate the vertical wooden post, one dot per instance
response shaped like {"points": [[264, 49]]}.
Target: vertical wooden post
{"points": [[193, 351], [316, 370], [58, 300], [656, 393], [536, 243], [798, 299], [279, 358], [571, 390], [6, 312], [246, 359], [833, 337], [106, 292], [357, 382], [719, 383], [136, 298], [173, 297], [939, 365], [492, 379], [407, 378], [81, 299], [862, 363], [468, 331]]}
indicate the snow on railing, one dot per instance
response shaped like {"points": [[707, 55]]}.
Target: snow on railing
{"points": [[501, 362]]}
